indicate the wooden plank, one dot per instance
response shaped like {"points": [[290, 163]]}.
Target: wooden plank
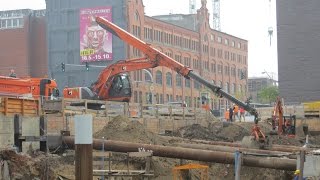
{"points": [[101, 153], [19, 101], [20, 111], [140, 154], [35, 106]]}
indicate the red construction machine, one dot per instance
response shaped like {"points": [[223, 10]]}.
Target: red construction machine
{"points": [[28, 87], [113, 82]]}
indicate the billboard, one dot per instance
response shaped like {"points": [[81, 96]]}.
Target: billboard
{"points": [[95, 42]]}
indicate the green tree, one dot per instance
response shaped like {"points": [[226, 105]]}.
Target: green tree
{"points": [[268, 94]]}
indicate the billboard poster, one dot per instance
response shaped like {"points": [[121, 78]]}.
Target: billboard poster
{"points": [[95, 42]]}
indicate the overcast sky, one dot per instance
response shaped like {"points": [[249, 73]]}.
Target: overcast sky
{"points": [[247, 19]]}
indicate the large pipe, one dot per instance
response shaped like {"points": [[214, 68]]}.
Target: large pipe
{"points": [[258, 152], [274, 147], [190, 154]]}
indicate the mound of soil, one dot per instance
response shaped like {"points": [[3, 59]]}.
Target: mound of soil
{"points": [[34, 166], [217, 131], [122, 129]]}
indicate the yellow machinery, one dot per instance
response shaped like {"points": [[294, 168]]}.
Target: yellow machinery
{"points": [[311, 109], [177, 171]]}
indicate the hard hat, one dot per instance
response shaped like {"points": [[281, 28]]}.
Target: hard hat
{"points": [[297, 171]]}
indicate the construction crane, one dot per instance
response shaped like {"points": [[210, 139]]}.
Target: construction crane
{"points": [[216, 15], [192, 6]]}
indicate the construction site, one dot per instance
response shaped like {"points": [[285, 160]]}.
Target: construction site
{"points": [[117, 122]]}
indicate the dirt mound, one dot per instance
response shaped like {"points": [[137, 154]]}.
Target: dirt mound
{"points": [[217, 131], [36, 165], [122, 129]]}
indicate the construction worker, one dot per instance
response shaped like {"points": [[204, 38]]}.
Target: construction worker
{"points": [[235, 112], [297, 174], [226, 115], [231, 114], [242, 112]]}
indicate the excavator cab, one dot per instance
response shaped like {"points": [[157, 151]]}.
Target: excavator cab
{"points": [[120, 89]]}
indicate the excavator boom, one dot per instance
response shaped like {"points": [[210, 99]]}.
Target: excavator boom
{"points": [[156, 58]]}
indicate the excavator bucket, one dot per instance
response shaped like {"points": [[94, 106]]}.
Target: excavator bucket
{"points": [[257, 140], [252, 143]]}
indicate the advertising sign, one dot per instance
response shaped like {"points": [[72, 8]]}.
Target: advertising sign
{"points": [[95, 42]]}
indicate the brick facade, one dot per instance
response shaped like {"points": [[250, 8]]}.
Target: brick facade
{"points": [[23, 48], [214, 55]]}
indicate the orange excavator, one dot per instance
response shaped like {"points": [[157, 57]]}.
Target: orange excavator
{"points": [[113, 83], [285, 124], [28, 87]]}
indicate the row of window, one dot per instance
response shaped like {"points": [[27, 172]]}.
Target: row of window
{"points": [[179, 80], [227, 43], [11, 23], [165, 98], [170, 39], [228, 55], [176, 40], [159, 98]]}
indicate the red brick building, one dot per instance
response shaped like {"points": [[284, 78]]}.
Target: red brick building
{"points": [[23, 46], [214, 55]]}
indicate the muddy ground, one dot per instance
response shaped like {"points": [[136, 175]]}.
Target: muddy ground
{"points": [[39, 165]]}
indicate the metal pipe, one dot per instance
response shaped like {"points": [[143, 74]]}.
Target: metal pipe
{"points": [[190, 154], [275, 147], [258, 152]]}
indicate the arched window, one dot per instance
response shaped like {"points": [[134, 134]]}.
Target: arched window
{"points": [[136, 16], [147, 77], [169, 79], [179, 80], [159, 77]]}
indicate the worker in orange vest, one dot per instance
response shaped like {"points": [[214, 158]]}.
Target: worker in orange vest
{"points": [[226, 115], [235, 112]]}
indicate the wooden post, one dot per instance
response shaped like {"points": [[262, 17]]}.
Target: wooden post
{"points": [[83, 147], [302, 159]]}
